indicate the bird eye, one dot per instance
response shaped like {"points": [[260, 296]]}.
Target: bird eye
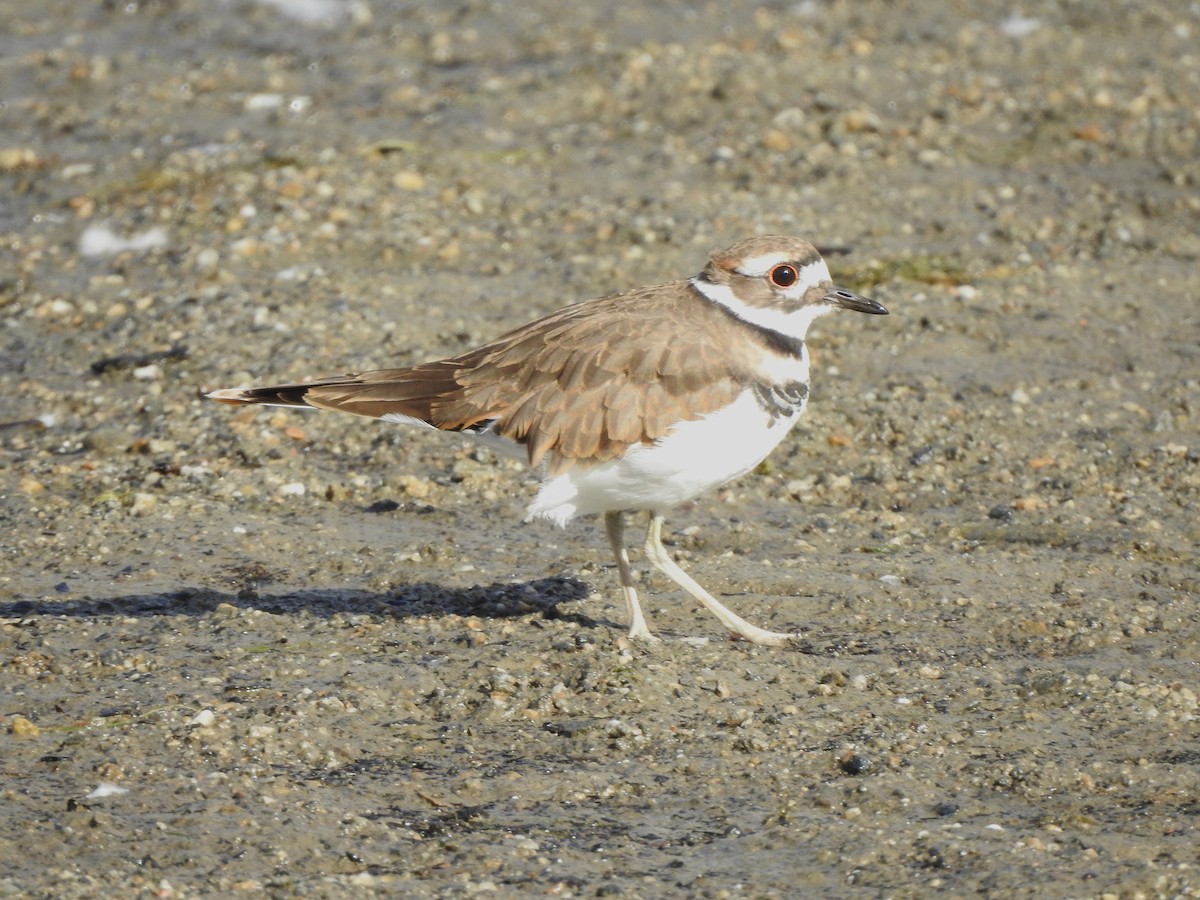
{"points": [[783, 275]]}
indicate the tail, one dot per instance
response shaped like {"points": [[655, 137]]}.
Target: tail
{"points": [[274, 395], [379, 394], [410, 396]]}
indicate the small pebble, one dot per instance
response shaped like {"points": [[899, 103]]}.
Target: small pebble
{"points": [[855, 763], [20, 726], [106, 789]]}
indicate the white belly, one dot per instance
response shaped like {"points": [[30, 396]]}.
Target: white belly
{"points": [[694, 458]]}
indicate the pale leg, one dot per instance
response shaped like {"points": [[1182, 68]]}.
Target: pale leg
{"points": [[658, 555], [614, 524]]}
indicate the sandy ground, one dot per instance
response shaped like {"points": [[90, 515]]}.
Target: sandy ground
{"points": [[247, 651]]}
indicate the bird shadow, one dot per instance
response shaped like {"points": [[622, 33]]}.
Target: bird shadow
{"points": [[491, 601], [538, 599]]}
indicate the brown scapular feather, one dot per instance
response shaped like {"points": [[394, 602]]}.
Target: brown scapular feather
{"points": [[571, 386]]}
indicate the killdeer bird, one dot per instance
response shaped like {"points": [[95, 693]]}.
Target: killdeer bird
{"points": [[639, 400]]}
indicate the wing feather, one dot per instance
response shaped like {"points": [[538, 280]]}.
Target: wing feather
{"points": [[578, 384]]}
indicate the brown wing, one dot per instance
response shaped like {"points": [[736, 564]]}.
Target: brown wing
{"points": [[585, 383], [580, 383]]}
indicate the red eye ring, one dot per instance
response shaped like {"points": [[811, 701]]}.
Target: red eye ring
{"points": [[783, 275]]}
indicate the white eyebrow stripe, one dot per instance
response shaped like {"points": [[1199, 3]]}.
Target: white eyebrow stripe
{"points": [[754, 266], [811, 274]]}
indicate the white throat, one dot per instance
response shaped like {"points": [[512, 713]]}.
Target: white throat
{"points": [[793, 324]]}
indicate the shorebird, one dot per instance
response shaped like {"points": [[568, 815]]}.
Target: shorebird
{"points": [[640, 400]]}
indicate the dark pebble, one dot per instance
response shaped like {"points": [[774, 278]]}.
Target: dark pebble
{"points": [[855, 764]]}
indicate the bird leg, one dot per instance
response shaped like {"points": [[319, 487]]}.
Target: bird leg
{"points": [[614, 525], [662, 560]]}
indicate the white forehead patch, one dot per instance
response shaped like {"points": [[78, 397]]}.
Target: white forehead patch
{"points": [[811, 274]]}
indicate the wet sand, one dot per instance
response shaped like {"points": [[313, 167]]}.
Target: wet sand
{"points": [[247, 651]]}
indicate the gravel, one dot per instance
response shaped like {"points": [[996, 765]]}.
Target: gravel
{"points": [[249, 651]]}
